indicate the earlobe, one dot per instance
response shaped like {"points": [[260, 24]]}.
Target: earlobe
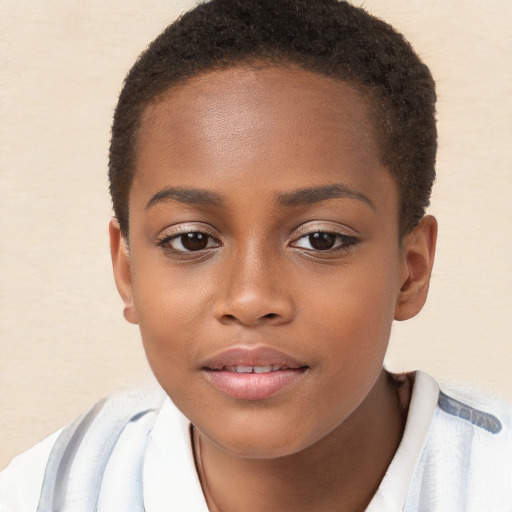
{"points": [[418, 251], [121, 266]]}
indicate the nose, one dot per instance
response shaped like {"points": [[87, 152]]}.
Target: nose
{"points": [[253, 291]]}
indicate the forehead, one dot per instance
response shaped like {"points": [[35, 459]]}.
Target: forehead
{"points": [[287, 126], [249, 100]]}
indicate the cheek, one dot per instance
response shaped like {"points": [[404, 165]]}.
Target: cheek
{"points": [[351, 313], [171, 308]]}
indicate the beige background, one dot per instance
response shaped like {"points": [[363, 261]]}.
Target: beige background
{"points": [[63, 341]]}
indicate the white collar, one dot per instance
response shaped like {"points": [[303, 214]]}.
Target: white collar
{"points": [[170, 478], [393, 489]]}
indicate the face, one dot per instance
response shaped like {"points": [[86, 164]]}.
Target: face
{"points": [[265, 266]]}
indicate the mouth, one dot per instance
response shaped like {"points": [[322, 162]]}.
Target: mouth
{"points": [[253, 373], [253, 369]]}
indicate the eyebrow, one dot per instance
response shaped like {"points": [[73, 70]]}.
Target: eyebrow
{"points": [[306, 196], [187, 196]]}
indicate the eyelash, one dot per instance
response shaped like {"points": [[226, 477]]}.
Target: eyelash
{"points": [[166, 242], [341, 242]]}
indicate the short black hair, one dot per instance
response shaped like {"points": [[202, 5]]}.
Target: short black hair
{"points": [[328, 37]]}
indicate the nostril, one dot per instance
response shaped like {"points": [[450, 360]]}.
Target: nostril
{"points": [[231, 318]]}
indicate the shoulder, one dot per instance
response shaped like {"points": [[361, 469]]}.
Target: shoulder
{"points": [[83, 446], [20, 482], [466, 460]]}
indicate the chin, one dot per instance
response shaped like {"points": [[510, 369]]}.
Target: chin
{"points": [[260, 440]]}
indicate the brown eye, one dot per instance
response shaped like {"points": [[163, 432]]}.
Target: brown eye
{"points": [[194, 241], [319, 241], [322, 241]]}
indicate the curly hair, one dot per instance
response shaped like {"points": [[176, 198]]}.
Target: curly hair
{"points": [[328, 37]]}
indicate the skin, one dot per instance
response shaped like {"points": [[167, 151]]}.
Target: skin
{"points": [[249, 139]]}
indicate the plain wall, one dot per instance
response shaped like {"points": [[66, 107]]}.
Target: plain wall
{"points": [[63, 340]]}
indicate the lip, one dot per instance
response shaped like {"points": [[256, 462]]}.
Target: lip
{"points": [[232, 372]]}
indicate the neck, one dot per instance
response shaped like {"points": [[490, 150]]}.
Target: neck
{"points": [[342, 471]]}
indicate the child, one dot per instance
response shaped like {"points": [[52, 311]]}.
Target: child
{"points": [[270, 167]]}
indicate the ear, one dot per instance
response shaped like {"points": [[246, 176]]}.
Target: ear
{"points": [[121, 265], [418, 251]]}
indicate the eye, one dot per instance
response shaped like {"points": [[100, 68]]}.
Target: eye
{"points": [[324, 241], [188, 242]]}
